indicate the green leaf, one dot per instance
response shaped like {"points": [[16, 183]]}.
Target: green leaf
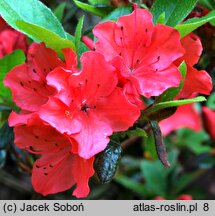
{"points": [[51, 39], [106, 162], [161, 18], [130, 163], [30, 11], [191, 24], [175, 11], [100, 11], [7, 63], [155, 174], [149, 147], [118, 12], [3, 155], [211, 101], [59, 11], [193, 140], [132, 185], [6, 136], [99, 2], [175, 103], [171, 93], [78, 32], [4, 108], [137, 132], [185, 180], [209, 4], [82, 47]]}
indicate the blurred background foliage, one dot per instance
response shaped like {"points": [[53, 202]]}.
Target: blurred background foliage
{"points": [[140, 175]]}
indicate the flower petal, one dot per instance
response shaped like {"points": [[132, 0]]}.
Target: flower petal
{"points": [[57, 172], [19, 119], [59, 116], [99, 75], [27, 93], [122, 38], [193, 49], [43, 59], [153, 83], [93, 137], [185, 117], [70, 59], [117, 111], [165, 48], [196, 82], [209, 121], [38, 137]]}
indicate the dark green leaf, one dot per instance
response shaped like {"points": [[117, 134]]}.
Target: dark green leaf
{"points": [[137, 132], [191, 24], [96, 10], [211, 101], [51, 39], [78, 32], [115, 14], [175, 103], [130, 163], [106, 162], [149, 147], [209, 4], [6, 136], [4, 108], [185, 180], [59, 11], [132, 185], [193, 140], [30, 11], [160, 114], [6, 64], [175, 11], [155, 174], [99, 2], [3, 155]]}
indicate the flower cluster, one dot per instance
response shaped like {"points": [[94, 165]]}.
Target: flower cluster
{"points": [[196, 82], [69, 113], [10, 39]]}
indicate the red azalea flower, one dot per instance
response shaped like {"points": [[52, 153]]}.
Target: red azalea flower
{"points": [[88, 42], [209, 121], [195, 81], [184, 197], [58, 169], [11, 39], [88, 105], [3, 24], [28, 81], [186, 116], [159, 198], [143, 53]]}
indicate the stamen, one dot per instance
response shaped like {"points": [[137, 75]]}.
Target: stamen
{"points": [[67, 113]]}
